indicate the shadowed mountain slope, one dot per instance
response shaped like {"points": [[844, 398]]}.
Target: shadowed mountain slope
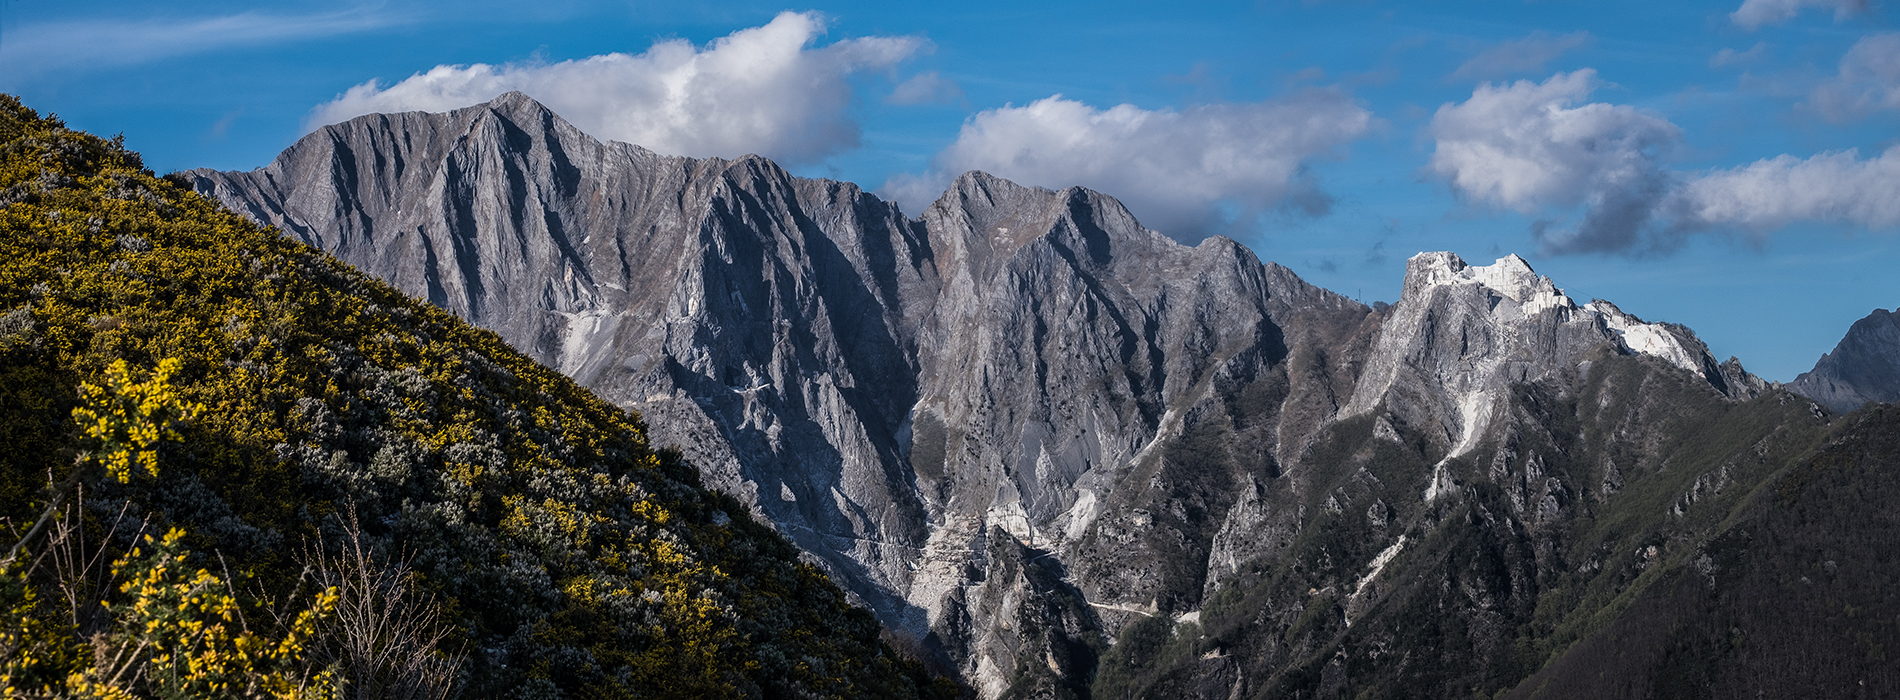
{"points": [[1864, 367], [1793, 600]]}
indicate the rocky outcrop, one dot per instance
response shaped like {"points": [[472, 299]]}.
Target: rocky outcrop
{"points": [[755, 319], [1462, 336], [1021, 426], [1021, 628], [1864, 367]]}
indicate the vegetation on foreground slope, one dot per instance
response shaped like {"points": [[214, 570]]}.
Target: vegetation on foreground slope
{"points": [[569, 557]]}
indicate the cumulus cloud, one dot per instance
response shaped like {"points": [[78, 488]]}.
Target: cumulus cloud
{"points": [[765, 90], [1755, 13], [1836, 187], [1526, 55], [1184, 173], [1869, 80], [1530, 146], [1533, 148]]}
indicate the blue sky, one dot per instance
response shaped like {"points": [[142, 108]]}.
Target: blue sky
{"points": [[1723, 165]]}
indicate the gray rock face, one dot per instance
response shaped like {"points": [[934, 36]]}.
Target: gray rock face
{"points": [[1864, 367], [1017, 426], [1461, 336]]}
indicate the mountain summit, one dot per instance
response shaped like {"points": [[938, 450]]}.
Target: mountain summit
{"points": [[1063, 454], [1462, 336], [1864, 367]]}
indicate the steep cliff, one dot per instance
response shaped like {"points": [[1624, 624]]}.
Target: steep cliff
{"points": [[1462, 336]]}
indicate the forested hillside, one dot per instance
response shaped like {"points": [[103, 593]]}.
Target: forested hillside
{"points": [[567, 557]]}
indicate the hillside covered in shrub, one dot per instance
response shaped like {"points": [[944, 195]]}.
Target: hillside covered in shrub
{"points": [[569, 557]]}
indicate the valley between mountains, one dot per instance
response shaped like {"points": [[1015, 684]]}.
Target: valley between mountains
{"points": [[1059, 454]]}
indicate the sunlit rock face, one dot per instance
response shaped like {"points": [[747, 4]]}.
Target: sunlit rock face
{"points": [[1461, 336], [763, 324], [1020, 424]]}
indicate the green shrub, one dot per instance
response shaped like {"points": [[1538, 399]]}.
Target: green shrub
{"points": [[568, 554]]}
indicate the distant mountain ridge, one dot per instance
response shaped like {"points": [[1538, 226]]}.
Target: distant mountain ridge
{"points": [[1864, 366], [1021, 425]]}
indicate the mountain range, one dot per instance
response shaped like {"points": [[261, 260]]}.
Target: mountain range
{"points": [[1059, 454]]}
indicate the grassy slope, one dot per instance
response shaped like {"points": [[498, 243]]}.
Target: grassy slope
{"points": [[575, 558]]}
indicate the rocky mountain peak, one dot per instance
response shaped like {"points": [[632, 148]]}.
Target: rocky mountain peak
{"points": [[513, 101], [514, 107], [1462, 335], [1864, 366], [1510, 277], [983, 221]]}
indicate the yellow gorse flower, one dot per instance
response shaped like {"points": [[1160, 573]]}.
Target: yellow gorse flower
{"points": [[178, 632], [188, 621], [129, 417]]}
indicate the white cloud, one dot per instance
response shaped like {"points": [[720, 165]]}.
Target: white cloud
{"points": [[763, 90], [1530, 147], [1526, 55], [1869, 80], [1835, 187], [1182, 172], [926, 88], [36, 48], [1731, 57], [1525, 146], [1755, 13]]}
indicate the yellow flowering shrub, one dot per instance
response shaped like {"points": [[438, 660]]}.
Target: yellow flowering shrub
{"points": [[36, 653], [175, 633], [180, 633], [128, 417], [570, 556]]}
